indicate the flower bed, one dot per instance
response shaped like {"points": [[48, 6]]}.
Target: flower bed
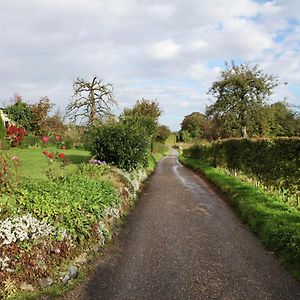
{"points": [[45, 225]]}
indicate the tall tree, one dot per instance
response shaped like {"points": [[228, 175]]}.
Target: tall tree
{"points": [[240, 92], [162, 133], [39, 119], [91, 100], [144, 108], [284, 121], [146, 113], [20, 112], [194, 124]]}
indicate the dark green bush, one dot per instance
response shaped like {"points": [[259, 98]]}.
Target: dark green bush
{"points": [[125, 144], [274, 162]]}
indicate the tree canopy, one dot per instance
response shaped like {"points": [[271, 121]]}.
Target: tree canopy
{"points": [[162, 133], [240, 93], [194, 124], [145, 113]]}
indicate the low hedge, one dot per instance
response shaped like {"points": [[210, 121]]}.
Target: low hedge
{"points": [[273, 162], [276, 223]]}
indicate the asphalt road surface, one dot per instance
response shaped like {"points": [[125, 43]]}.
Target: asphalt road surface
{"points": [[182, 241]]}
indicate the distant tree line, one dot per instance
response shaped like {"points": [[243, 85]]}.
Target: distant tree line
{"points": [[241, 108]]}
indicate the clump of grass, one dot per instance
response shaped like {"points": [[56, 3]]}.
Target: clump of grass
{"points": [[275, 222]]}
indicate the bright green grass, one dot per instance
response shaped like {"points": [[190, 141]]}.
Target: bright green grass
{"points": [[34, 163], [275, 222]]}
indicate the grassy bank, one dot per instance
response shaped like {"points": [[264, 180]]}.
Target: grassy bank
{"points": [[276, 223]]}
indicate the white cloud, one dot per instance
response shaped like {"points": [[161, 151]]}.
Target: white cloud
{"points": [[164, 50], [169, 50], [184, 104]]}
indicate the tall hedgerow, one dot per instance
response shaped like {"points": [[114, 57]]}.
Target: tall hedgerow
{"points": [[273, 162]]}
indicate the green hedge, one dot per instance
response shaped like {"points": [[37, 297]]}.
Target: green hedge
{"points": [[273, 162]]}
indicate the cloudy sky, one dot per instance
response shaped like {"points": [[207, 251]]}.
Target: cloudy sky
{"points": [[169, 50]]}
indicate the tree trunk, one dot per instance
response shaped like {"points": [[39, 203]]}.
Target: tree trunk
{"points": [[93, 109]]}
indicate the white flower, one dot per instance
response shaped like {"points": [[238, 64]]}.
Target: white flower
{"points": [[22, 228], [4, 262]]}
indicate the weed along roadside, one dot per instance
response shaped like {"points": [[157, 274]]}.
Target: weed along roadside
{"points": [[274, 221]]}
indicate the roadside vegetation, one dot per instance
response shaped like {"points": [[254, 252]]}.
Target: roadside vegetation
{"points": [[64, 188], [250, 150]]}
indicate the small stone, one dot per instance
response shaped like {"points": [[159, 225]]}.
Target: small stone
{"points": [[82, 259], [26, 287], [44, 282], [66, 278], [96, 248], [73, 272]]}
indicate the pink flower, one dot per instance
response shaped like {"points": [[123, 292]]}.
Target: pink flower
{"points": [[15, 158], [45, 139], [57, 137]]}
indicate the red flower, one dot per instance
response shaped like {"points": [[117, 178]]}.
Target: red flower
{"points": [[57, 137], [11, 130], [45, 139], [22, 132], [50, 155], [61, 155]]}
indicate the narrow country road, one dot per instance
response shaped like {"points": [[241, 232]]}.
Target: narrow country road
{"points": [[183, 242]]}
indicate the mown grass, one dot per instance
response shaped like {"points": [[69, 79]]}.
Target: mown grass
{"points": [[34, 163], [276, 223]]}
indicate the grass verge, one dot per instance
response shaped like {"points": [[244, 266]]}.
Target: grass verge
{"points": [[276, 223]]}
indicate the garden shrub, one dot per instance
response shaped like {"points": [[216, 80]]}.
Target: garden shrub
{"points": [[273, 162], [73, 137], [125, 144]]}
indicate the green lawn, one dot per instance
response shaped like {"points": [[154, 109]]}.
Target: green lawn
{"points": [[34, 163]]}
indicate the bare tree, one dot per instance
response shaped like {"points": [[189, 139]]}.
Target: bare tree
{"points": [[91, 100]]}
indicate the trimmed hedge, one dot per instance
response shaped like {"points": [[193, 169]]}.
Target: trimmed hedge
{"points": [[273, 162]]}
